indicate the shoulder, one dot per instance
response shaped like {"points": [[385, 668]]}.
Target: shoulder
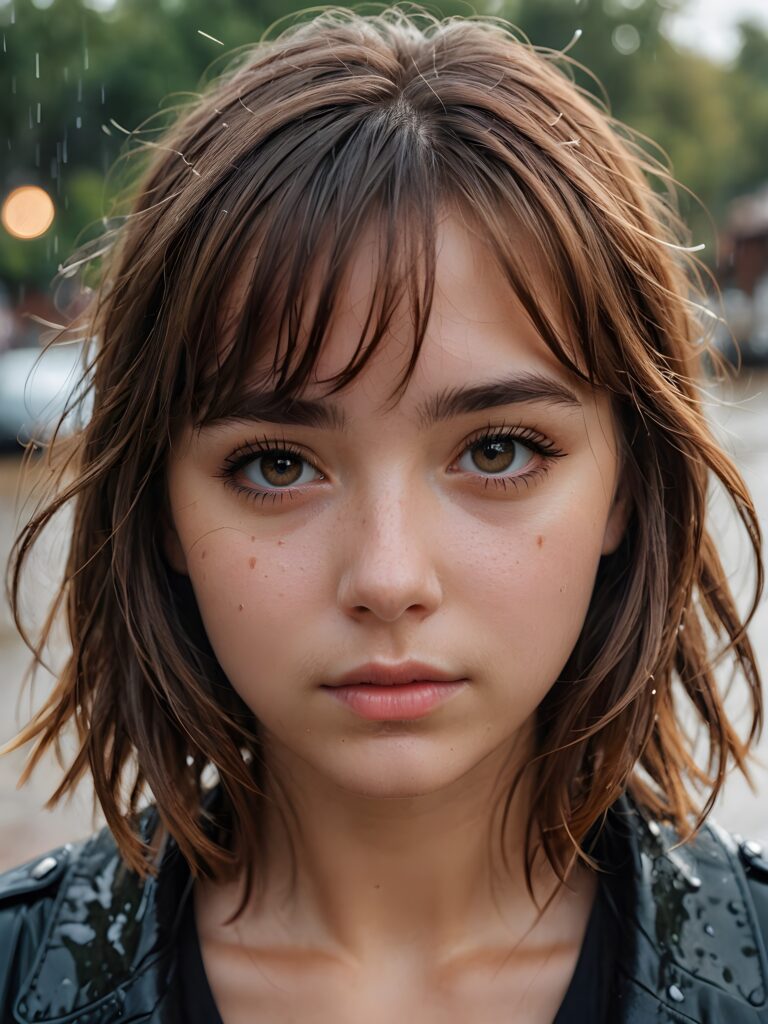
{"points": [[33, 882], [64, 897], [750, 858], [28, 894], [696, 921]]}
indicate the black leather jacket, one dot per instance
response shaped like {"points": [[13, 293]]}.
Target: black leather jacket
{"points": [[82, 939]]}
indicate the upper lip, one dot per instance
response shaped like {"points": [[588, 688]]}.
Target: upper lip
{"points": [[381, 674]]}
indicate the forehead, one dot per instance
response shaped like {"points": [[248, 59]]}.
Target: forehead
{"points": [[477, 324]]}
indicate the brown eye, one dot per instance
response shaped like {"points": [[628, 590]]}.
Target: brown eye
{"points": [[277, 469], [496, 455]]}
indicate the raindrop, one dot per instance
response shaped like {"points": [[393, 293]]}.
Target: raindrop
{"points": [[30, 117], [212, 38], [709, 930], [13, 85], [4, 49], [103, 95], [78, 122], [13, 15], [727, 975], [64, 148], [79, 90], [39, 113], [675, 993], [734, 906], [749, 951], [66, 74], [37, 65], [86, 61], [55, 245]]}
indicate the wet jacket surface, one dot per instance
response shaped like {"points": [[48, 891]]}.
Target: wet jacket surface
{"points": [[83, 939]]}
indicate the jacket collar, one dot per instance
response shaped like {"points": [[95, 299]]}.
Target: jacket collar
{"points": [[691, 949]]}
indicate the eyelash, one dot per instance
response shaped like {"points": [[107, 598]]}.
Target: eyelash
{"points": [[249, 451]]}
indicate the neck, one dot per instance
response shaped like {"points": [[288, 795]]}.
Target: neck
{"points": [[422, 875]]}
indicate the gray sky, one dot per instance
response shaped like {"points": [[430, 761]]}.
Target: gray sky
{"points": [[709, 25]]}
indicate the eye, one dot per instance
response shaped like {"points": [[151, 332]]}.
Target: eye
{"points": [[279, 469], [508, 456], [497, 454]]}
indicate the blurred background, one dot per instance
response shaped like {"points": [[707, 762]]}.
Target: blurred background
{"points": [[78, 76]]}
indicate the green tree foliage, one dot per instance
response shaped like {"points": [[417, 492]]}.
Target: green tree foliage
{"points": [[75, 80]]}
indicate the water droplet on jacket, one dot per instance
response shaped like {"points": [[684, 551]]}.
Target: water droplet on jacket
{"points": [[675, 993], [749, 951], [709, 929], [734, 906], [727, 975]]}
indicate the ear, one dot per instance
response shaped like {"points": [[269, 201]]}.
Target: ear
{"points": [[174, 552], [618, 517]]}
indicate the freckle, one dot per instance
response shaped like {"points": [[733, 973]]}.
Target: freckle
{"points": [[253, 538], [539, 541], [252, 562], [204, 554]]}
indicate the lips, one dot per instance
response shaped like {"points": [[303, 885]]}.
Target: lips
{"points": [[399, 674]]}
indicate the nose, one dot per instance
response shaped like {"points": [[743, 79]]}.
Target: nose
{"points": [[389, 568]]}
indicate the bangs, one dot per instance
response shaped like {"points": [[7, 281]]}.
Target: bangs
{"points": [[284, 230]]}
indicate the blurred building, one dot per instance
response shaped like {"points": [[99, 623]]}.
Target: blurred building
{"points": [[744, 278]]}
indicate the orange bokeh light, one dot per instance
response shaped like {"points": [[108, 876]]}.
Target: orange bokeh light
{"points": [[27, 212]]}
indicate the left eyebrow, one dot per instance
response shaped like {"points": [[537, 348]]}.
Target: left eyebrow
{"points": [[446, 404]]}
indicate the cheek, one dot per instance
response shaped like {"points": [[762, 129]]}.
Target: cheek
{"points": [[251, 593], [527, 593]]}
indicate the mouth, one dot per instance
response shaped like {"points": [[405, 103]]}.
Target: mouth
{"points": [[390, 675], [399, 702]]}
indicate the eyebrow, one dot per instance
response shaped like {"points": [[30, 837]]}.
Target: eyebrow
{"points": [[443, 405]]}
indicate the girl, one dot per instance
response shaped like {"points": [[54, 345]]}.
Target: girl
{"points": [[390, 568]]}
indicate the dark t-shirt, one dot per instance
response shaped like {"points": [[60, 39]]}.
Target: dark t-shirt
{"points": [[587, 998]]}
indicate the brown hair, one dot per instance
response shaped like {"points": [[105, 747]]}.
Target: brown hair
{"points": [[301, 141]]}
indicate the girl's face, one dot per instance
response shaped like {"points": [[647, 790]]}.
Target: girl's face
{"points": [[403, 534]]}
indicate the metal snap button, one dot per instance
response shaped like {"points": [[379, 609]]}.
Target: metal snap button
{"points": [[43, 867]]}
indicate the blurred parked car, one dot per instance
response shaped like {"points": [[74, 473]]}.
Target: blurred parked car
{"points": [[34, 387]]}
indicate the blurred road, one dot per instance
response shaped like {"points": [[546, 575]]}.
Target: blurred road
{"points": [[740, 417]]}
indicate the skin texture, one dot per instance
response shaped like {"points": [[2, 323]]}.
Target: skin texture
{"points": [[397, 546]]}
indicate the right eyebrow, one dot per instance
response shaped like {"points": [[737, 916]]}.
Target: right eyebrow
{"points": [[264, 406]]}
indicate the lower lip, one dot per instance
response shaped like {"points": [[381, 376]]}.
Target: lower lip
{"points": [[395, 703]]}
